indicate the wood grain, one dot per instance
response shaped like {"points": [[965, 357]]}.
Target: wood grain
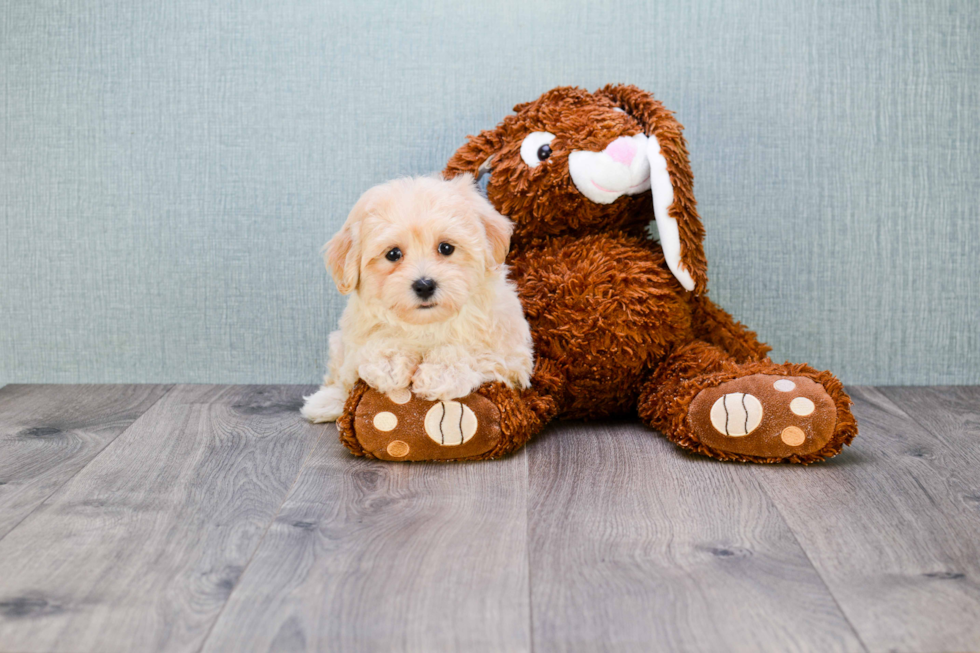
{"points": [[140, 550], [950, 413], [49, 432], [637, 546], [200, 526], [893, 523], [374, 556]]}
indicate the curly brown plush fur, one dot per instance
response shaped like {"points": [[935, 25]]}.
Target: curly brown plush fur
{"points": [[614, 331], [345, 423]]}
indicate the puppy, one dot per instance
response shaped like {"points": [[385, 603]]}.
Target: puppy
{"points": [[430, 305]]}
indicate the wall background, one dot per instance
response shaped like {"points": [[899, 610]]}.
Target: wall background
{"points": [[169, 169]]}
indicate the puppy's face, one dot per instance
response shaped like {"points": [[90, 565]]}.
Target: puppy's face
{"points": [[420, 247], [421, 256]]}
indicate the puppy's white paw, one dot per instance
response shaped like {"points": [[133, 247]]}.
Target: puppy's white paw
{"points": [[388, 373], [324, 405], [441, 382]]}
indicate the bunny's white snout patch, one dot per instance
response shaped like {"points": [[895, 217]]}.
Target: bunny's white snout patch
{"points": [[631, 165], [621, 169]]}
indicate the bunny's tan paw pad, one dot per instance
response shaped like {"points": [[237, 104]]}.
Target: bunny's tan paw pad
{"points": [[764, 416], [402, 426]]}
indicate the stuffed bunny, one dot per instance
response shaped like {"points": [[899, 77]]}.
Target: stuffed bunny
{"points": [[621, 323]]}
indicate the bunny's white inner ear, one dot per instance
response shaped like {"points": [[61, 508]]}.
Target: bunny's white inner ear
{"points": [[663, 196], [484, 168]]}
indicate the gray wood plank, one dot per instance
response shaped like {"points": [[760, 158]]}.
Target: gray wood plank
{"points": [[49, 432], [893, 525], [637, 546], [951, 413], [374, 556], [140, 550]]}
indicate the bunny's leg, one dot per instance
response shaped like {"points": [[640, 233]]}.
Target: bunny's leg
{"points": [[713, 325], [705, 400], [490, 422]]}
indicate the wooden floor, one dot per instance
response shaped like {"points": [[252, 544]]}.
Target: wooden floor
{"points": [[187, 518]]}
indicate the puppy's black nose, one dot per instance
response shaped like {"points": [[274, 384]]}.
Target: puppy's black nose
{"points": [[424, 287]]}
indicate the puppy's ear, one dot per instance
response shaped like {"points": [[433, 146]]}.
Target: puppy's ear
{"points": [[342, 254], [496, 227], [498, 230], [681, 231]]}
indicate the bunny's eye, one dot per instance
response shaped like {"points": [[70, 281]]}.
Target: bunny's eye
{"points": [[536, 148]]}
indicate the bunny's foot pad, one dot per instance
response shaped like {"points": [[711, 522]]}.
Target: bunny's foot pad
{"points": [[401, 426], [765, 416]]}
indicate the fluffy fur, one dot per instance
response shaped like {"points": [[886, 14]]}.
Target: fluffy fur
{"points": [[470, 331], [614, 330]]}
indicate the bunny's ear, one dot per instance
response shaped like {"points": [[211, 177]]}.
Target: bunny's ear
{"points": [[476, 156], [671, 183]]}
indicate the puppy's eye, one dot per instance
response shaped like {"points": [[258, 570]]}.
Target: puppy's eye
{"points": [[446, 249], [536, 148], [393, 254]]}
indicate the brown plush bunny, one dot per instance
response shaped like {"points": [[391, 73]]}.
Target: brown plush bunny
{"points": [[621, 324]]}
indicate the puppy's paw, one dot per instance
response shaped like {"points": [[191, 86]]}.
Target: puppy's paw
{"points": [[324, 405], [442, 382], [386, 373]]}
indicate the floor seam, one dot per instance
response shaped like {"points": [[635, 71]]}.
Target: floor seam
{"points": [[527, 547], [258, 545], [93, 459], [823, 581], [923, 425]]}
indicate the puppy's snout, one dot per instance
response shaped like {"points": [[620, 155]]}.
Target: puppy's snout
{"points": [[424, 287]]}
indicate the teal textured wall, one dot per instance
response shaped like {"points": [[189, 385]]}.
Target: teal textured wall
{"points": [[169, 169]]}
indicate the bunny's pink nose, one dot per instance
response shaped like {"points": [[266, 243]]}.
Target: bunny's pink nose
{"points": [[622, 150]]}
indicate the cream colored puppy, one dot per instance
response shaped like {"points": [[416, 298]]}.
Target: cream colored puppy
{"points": [[430, 305]]}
